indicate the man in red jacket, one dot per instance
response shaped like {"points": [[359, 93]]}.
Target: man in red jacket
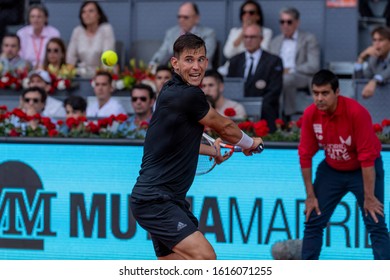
{"points": [[352, 164]]}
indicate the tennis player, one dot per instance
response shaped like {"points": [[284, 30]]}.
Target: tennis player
{"points": [[171, 150], [352, 164]]}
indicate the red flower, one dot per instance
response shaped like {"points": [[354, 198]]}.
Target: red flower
{"points": [[261, 128], [377, 128], [19, 113], [144, 125], [13, 133], [82, 119], [121, 118], [248, 125], [386, 122], [279, 122], [72, 122], [60, 122], [3, 108], [229, 112], [91, 126], [48, 123], [53, 132]]}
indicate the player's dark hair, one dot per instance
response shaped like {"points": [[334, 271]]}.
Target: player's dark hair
{"points": [[325, 77], [187, 41], [41, 91], [143, 87], [214, 74], [76, 102]]}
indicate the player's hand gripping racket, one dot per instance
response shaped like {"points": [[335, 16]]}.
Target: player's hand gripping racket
{"points": [[207, 163]]}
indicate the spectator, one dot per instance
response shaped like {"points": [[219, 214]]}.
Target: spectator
{"points": [[90, 39], [33, 102], [10, 61], [212, 86], [188, 21], [53, 107], [142, 100], [163, 74], [55, 55], [250, 13], [262, 71], [35, 36], [378, 61], [104, 105], [300, 53], [75, 107]]}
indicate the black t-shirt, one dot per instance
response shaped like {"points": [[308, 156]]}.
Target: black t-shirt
{"points": [[172, 143]]}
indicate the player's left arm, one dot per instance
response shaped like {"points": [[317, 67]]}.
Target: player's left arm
{"points": [[371, 205], [214, 151]]}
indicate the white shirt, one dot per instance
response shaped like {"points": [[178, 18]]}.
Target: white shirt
{"points": [[288, 51], [54, 108], [112, 107], [256, 58]]}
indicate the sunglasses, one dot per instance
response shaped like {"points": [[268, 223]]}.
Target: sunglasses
{"points": [[53, 50], [35, 100], [247, 37], [142, 98], [251, 12], [183, 17], [288, 22]]}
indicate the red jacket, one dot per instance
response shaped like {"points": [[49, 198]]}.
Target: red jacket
{"points": [[347, 136]]}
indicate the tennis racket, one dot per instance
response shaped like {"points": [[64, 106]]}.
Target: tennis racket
{"points": [[207, 163]]}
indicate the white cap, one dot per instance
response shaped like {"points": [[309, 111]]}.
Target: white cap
{"points": [[44, 75]]}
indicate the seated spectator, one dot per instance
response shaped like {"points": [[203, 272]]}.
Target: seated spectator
{"points": [[32, 102], [10, 61], [300, 54], [212, 86], [378, 61], [55, 56], [90, 39], [35, 36], [75, 107], [142, 100], [41, 79], [104, 105], [250, 13], [263, 74], [163, 74], [188, 21]]}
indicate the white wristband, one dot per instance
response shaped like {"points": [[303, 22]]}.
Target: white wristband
{"points": [[246, 142]]}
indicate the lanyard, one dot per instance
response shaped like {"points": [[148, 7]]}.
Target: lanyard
{"points": [[38, 51]]}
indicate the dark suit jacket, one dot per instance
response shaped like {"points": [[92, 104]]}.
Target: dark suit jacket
{"points": [[267, 82]]}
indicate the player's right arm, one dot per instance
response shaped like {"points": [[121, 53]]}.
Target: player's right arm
{"points": [[311, 202], [229, 131]]}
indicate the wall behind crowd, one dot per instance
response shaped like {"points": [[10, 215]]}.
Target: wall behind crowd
{"points": [[147, 20]]}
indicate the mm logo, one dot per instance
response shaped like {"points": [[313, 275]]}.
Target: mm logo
{"points": [[24, 208]]}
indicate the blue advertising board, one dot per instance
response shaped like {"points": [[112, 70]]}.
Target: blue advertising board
{"points": [[62, 201]]}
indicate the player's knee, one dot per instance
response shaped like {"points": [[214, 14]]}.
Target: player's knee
{"points": [[206, 255]]}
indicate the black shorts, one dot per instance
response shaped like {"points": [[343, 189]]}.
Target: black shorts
{"points": [[168, 223]]}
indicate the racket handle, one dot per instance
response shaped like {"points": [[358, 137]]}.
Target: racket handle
{"points": [[258, 150]]}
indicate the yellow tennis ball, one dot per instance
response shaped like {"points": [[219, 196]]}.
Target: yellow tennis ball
{"points": [[109, 58]]}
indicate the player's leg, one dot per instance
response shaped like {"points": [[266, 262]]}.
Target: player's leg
{"points": [[329, 191], [195, 247], [378, 231]]}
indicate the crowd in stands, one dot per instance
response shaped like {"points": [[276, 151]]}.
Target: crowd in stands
{"points": [[274, 65]]}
